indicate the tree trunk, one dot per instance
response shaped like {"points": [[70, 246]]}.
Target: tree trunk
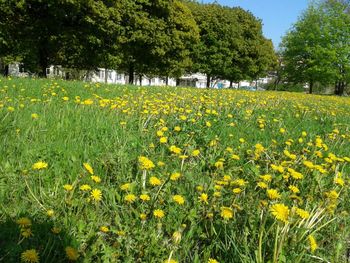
{"points": [[167, 81], [131, 73], [339, 88], [106, 75], [43, 61], [256, 84], [177, 82], [231, 84], [140, 79], [6, 70], [311, 85], [208, 80]]}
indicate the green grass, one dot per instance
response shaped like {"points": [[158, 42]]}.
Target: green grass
{"points": [[121, 125]]}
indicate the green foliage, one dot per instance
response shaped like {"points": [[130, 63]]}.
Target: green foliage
{"points": [[316, 49]]}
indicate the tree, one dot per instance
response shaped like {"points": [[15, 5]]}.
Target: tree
{"points": [[232, 45], [316, 49], [253, 55], [156, 37]]}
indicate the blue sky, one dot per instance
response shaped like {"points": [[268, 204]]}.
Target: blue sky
{"points": [[277, 15]]}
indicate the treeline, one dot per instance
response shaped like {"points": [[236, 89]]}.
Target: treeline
{"points": [[316, 50], [167, 38]]}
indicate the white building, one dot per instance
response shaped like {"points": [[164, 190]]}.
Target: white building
{"points": [[197, 80]]}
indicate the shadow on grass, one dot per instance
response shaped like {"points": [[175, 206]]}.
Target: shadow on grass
{"points": [[48, 241]]}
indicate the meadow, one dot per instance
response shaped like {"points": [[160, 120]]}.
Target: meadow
{"points": [[103, 173]]}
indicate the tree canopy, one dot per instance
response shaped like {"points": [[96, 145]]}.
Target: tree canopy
{"points": [[317, 48], [144, 37]]}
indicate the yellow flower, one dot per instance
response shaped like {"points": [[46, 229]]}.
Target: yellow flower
{"points": [[26, 232], [143, 216], [163, 140], [130, 198], [125, 187], [219, 165], [55, 230], [177, 128], [313, 243], [175, 176], [266, 177], [235, 157], [158, 213], [96, 195], [302, 213], [211, 260], [68, 187], [226, 212], [50, 213], [24, 222], [195, 153], [34, 116], [104, 229], [145, 163], [282, 130], [72, 253], [294, 189], [39, 165], [273, 194], [177, 237], [85, 187], [30, 256], [203, 198], [175, 149], [237, 190], [170, 261], [262, 185], [95, 178], [280, 212], [88, 168], [145, 197], [179, 199], [154, 181], [332, 195]]}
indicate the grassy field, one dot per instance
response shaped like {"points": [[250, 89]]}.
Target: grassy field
{"points": [[96, 173]]}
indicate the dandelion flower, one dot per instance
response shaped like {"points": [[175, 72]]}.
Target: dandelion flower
{"points": [[72, 253], [203, 198], [158, 213], [85, 187], [145, 197], [95, 178], [154, 181], [88, 168], [273, 194], [125, 186], [226, 213], [96, 195], [130, 198], [39, 165], [104, 229], [30, 256], [302, 213], [195, 153], [313, 243], [68, 187], [24, 222], [26, 232], [178, 199], [145, 163], [211, 260], [175, 176], [280, 212], [50, 213]]}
